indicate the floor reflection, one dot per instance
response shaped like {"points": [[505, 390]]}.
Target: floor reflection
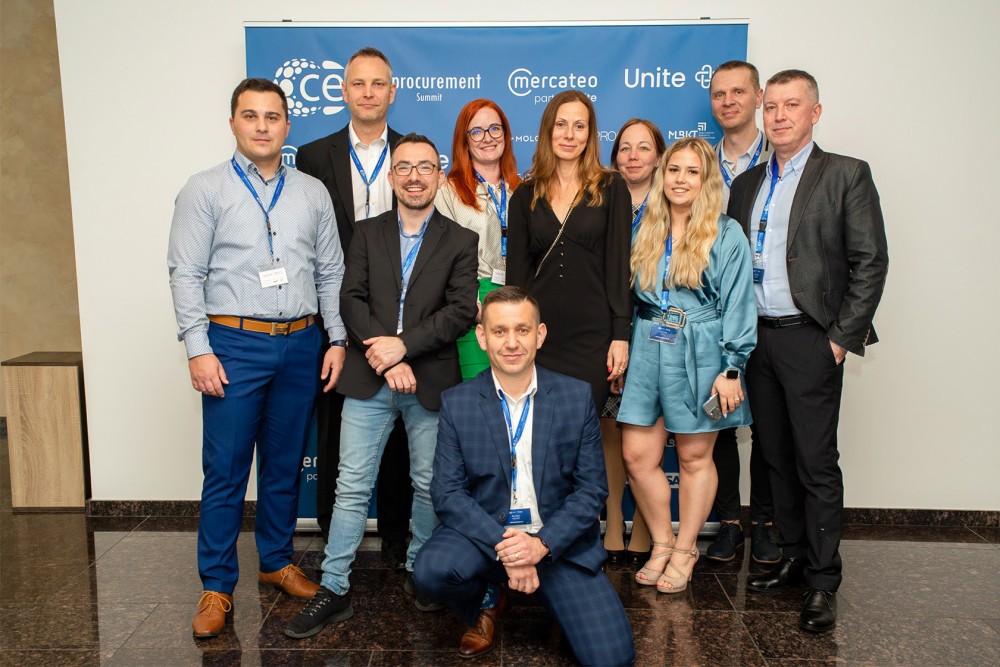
{"points": [[121, 591]]}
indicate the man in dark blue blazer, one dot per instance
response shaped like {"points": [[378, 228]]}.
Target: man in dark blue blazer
{"points": [[518, 484]]}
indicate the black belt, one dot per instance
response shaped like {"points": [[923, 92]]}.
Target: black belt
{"points": [[782, 322], [648, 312]]}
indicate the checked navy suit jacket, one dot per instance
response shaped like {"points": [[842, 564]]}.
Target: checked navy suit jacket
{"points": [[471, 484]]}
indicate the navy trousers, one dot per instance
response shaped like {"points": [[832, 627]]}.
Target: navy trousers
{"points": [[452, 570], [273, 382]]}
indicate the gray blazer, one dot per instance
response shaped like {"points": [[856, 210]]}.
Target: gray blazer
{"points": [[837, 255]]}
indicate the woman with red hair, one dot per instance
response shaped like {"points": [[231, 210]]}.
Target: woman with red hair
{"points": [[483, 175]]}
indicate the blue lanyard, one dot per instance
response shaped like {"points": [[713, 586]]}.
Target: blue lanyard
{"points": [[665, 294], [762, 228], [753, 162], [638, 215], [515, 437], [364, 176], [274, 199], [404, 284], [501, 209]]}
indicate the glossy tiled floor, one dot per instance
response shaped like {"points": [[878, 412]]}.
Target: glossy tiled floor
{"points": [[78, 591]]}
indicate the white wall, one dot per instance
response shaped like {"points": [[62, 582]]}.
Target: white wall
{"points": [[146, 88]]}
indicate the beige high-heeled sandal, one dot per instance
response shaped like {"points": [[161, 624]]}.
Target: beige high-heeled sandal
{"points": [[650, 576], [677, 583]]}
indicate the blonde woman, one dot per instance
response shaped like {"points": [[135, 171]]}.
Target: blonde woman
{"points": [[695, 328]]}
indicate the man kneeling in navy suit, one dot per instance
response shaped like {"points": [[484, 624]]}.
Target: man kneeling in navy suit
{"points": [[518, 485]]}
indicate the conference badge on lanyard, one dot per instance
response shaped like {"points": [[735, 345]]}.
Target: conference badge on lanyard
{"points": [[666, 328], [759, 260], [672, 320]]}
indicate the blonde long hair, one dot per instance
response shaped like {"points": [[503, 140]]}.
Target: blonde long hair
{"points": [[592, 175], [690, 254]]}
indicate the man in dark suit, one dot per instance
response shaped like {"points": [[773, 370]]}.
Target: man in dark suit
{"points": [[409, 292], [820, 261], [518, 485], [353, 164], [735, 95]]}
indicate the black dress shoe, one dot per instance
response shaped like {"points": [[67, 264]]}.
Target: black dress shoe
{"points": [[637, 557], [394, 554], [819, 613], [419, 600], [616, 556], [788, 573], [727, 542], [762, 546]]}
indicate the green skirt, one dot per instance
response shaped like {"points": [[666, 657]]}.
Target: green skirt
{"points": [[472, 357]]}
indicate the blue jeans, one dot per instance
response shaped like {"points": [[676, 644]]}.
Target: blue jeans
{"points": [[364, 429]]}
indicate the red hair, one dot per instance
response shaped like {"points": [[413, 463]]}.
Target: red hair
{"points": [[463, 175]]}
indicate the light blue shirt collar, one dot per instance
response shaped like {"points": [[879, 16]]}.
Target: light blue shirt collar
{"points": [[795, 165]]}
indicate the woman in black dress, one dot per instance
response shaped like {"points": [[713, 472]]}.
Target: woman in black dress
{"points": [[568, 245]]}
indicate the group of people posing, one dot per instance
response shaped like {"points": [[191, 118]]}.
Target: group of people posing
{"points": [[650, 307]]}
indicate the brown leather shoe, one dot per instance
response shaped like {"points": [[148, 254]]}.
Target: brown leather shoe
{"points": [[211, 617], [479, 640], [292, 580]]}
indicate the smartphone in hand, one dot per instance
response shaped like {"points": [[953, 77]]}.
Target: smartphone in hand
{"points": [[712, 408]]}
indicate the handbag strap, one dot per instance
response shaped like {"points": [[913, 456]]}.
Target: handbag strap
{"points": [[562, 228]]}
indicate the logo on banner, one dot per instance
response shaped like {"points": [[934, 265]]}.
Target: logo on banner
{"points": [[288, 154], [311, 88], [673, 479], [700, 130], [704, 76], [427, 87], [522, 82]]}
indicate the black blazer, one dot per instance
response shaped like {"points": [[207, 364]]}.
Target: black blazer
{"points": [[329, 160], [837, 255], [440, 303]]}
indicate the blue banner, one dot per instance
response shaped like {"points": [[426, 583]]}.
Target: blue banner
{"points": [[656, 71]]}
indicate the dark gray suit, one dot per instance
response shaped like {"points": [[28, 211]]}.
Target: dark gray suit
{"points": [[837, 260]]}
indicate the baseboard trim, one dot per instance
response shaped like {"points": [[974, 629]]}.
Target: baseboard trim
{"points": [[852, 515], [876, 516]]}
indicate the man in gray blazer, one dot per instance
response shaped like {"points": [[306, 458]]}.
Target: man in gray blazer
{"points": [[820, 261]]}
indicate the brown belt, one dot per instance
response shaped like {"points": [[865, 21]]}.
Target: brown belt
{"points": [[272, 328]]}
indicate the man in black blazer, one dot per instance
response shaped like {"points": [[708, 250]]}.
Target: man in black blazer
{"points": [[820, 261], [409, 292], [358, 194]]}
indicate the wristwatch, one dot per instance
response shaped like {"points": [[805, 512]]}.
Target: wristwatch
{"points": [[342, 342], [732, 374]]}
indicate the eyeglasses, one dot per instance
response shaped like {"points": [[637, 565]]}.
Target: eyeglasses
{"points": [[405, 168], [477, 134]]}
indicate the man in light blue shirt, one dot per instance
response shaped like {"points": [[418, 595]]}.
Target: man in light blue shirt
{"points": [[815, 227], [253, 256]]}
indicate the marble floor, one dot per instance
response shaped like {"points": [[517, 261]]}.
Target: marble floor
{"points": [[122, 591]]}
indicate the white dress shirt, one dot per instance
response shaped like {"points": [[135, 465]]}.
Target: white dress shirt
{"points": [[380, 199], [526, 497]]}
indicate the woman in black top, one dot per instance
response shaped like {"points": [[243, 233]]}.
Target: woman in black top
{"points": [[568, 245]]}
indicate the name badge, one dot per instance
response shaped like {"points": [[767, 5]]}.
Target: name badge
{"points": [[499, 277], [519, 517], [758, 268], [665, 329], [273, 277]]}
